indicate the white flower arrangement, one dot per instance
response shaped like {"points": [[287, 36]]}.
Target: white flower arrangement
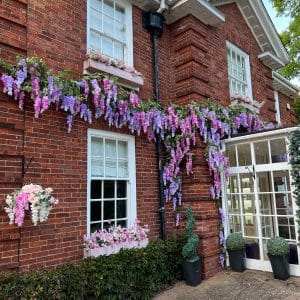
{"points": [[30, 197]]}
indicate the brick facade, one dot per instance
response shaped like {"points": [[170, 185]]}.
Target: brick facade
{"points": [[193, 66]]}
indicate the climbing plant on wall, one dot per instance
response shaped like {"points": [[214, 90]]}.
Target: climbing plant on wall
{"points": [[100, 96], [294, 150]]}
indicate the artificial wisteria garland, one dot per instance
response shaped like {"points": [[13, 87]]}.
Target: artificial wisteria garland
{"points": [[99, 94]]}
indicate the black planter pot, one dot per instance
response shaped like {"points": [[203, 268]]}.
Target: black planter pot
{"points": [[280, 266], [192, 272], [237, 260]]}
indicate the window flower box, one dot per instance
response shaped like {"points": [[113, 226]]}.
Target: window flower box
{"points": [[109, 250], [125, 77], [106, 242]]}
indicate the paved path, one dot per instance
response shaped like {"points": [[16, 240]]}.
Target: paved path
{"points": [[229, 285]]}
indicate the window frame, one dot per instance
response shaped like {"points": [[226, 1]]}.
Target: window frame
{"points": [[243, 54], [277, 108], [128, 49], [131, 204]]}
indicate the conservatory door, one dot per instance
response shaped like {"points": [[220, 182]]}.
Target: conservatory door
{"points": [[258, 198]]}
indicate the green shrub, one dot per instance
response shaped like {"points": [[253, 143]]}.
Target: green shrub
{"points": [[278, 246], [130, 274], [189, 251], [235, 241]]}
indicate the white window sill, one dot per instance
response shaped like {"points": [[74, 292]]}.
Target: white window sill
{"points": [[126, 79]]}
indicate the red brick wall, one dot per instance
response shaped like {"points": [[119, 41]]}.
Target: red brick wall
{"points": [[288, 116], [192, 62]]}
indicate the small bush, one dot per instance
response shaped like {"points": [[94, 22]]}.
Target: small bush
{"points": [[235, 241], [130, 274], [189, 251], [278, 246]]}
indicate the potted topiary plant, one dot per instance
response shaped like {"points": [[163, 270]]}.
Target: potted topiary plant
{"points": [[236, 248], [191, 261], [278, 252]]}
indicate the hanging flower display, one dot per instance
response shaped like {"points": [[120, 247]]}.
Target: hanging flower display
{"points": [[31, 197]]}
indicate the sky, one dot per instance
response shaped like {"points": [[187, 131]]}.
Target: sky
{"points": [[281, 23]]}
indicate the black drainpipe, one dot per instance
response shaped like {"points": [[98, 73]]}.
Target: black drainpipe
{"points": [[154, 23]]}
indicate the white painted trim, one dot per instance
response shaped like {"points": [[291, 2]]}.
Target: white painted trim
{"points": [[131, 204], [272, 56], [243, 54], [258, 135], [285, 83], [277, 108], [126, 5]]}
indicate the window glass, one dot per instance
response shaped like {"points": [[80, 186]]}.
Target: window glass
{"points": [[278, 151], [107, 32], [109, 182], [261, 152], [237, 71], [244, 155]]}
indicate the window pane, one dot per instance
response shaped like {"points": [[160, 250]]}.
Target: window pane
{"points": [[96, 187], [121, 209], [123, 168], [110, 167], [108, 26], [96, 4], [97, 146], [246, 182], [233, 184], [110, 148], [119, 31], [233, 204], [96, 20], [95, 227], [230, 153], [108, 8], [244, 155], [95, 211], [278, 150], [120, 14], [250, 225], [248, 204], [284, 204], [281, 181], [121, 189], [97, 167], [109, 210], [264, 182], [95, 40], [118, 51], [109, 189], [261, 153], [267, 226], [266, 204], [293, 254], [122, 149], [235, 224], [122, 223], [107, 46]]}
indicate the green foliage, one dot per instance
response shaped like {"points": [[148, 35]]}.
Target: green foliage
{"points": [[189, 251], [235, 241], [291, 36], [294, 151], [130, 274], [278, 246], [297, 109]]}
